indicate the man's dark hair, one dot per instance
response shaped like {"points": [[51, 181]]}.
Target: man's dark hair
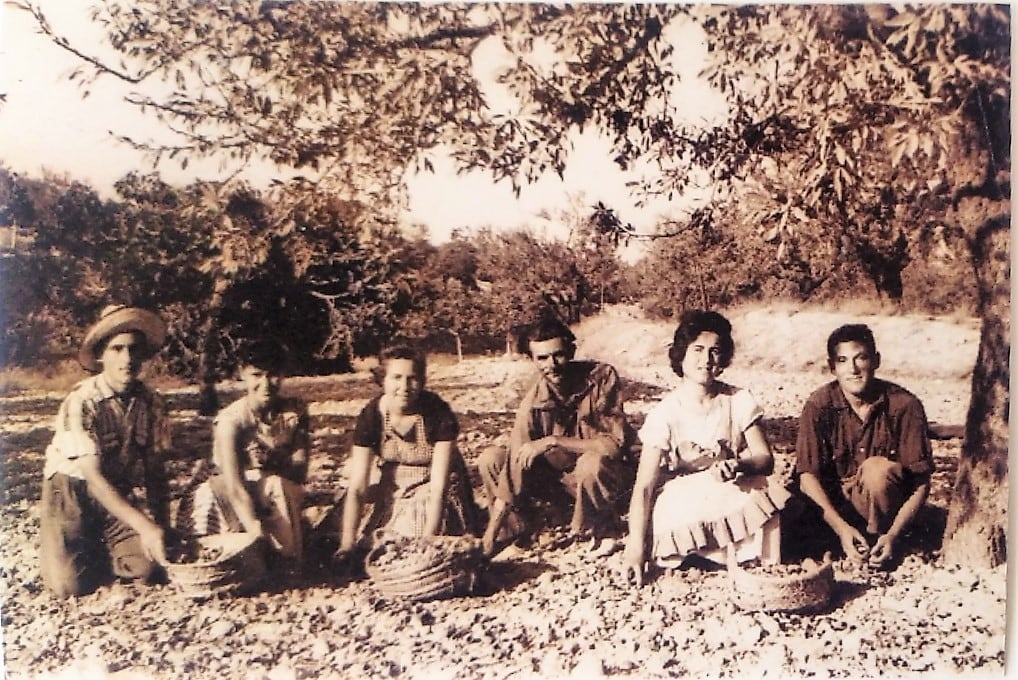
{"points": [[850, 332], [547, 328], [267, 353], [694, 322], [402, 350]]}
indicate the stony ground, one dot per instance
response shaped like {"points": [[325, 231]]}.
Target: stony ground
{"points": [[550, 610]]}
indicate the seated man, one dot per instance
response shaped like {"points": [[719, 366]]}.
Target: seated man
{"points": [[569, 441], [863, 451], [111, 438], [260, 459]]}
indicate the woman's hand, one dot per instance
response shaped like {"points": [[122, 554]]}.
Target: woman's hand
{"points": [[345, 562], [152, 543], [725, 470], [882, 550], [632, 567]]}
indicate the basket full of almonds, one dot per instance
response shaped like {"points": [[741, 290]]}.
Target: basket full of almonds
{"points": [[424, 568], [803, 587], [216, 564]]}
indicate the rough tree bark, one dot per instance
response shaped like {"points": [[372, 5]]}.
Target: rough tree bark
{"points": [[208, 398], [976, 533]]}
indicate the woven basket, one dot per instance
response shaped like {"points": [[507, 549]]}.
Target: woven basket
{"points": [[239, 568], [807, 591], [426, 568]]}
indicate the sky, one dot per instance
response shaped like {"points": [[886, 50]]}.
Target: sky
{"points": [[46, 125]]}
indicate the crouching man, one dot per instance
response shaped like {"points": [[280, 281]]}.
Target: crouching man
{"points": [[111, 438], [568, 444], [863, 450]]}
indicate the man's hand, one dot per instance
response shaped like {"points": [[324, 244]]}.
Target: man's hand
{"points": [[882, 550], [632, 568], [725, 470], [853, 543], [530, 451], [152, 543]]}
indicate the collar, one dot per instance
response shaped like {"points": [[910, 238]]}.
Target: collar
{"points": [[106, 390], [546, 393], [840, 401]]}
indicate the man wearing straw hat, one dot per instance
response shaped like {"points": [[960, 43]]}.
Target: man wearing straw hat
{"points": [[111, 436]]}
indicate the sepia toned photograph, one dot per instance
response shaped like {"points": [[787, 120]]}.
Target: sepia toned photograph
{"points": [[504, 341]]}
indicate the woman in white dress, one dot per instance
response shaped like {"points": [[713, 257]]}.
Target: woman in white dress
{"points": [[702, 485]]}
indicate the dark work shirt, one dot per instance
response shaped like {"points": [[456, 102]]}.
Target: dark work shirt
{"points": [[833, 441]]}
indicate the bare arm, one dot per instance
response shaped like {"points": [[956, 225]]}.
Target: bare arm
{"points": [[852, 542], [227, 460], [639, 513], [360, 471], [757, 459], [602, 445], [441, 461], [298, 471], [151, 534]]}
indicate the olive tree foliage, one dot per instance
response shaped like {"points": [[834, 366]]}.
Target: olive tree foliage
{"points": [[31, 327]]}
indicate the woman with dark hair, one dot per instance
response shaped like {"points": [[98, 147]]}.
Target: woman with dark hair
{"points": [[701, 485], [410, 434]]}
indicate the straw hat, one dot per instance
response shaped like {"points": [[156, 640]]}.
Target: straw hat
{"points": [[116, 319]]}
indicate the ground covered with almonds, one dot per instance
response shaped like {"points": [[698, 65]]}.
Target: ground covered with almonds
{"points": [[553, 608]]}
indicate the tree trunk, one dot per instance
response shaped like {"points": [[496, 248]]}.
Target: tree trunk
{"points": [[976, 533], [208, 399]]}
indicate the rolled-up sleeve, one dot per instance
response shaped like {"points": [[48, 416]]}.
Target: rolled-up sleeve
{"points": [[915, 452], [73, 438], [808, 442]]}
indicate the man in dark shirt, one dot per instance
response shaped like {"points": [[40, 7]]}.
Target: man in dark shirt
{"points": [[863, 451]]}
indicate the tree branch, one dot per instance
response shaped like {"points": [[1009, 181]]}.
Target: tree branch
{"points": [[65, 44]]}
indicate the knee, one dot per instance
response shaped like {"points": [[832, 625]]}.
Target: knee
{"points": [[135, 567], [492, 459], [879, 474], [588, 468]]}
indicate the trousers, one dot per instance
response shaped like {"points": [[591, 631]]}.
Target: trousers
{"points": [[876, 491], [595, 484], [81, 544]]}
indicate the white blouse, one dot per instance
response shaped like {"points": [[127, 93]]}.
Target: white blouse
{"points": [[671, 422]]}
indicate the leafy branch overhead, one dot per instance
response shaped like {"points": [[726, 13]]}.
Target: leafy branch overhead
{"points": [[826, 106]]}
